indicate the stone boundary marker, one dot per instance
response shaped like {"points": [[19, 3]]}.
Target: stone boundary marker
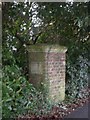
{"points": [[47, 67]]}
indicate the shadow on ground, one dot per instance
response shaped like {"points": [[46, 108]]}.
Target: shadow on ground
{"points": [[82, 112]]}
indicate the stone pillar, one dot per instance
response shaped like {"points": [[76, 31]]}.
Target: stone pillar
{"points": [[47, 66]]}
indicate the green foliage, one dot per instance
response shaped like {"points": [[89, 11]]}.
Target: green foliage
{"points": [[19, 96], [77, 78], [15, 91], [77, 71], [65, 23], [16, 24]]}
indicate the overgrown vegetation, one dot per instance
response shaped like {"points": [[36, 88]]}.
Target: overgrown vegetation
{"points": [[62, 23], [19, 96]]}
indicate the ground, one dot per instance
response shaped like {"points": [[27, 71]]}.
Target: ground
{"points": [[81, 112]]}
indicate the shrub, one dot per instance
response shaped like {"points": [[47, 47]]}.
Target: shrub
{"points": [[77, 79]]}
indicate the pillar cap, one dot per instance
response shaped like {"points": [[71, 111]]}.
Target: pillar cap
{"points": [[46, 48]]}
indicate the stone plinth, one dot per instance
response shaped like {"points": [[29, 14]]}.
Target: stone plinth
{"points": [[47, 66]]}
